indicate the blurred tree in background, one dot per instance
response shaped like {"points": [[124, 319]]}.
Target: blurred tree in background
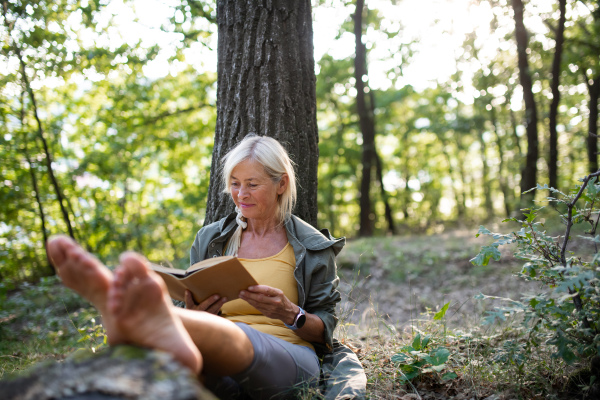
{"points": [[107, 133]]}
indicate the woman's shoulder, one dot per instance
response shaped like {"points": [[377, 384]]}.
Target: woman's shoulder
{"points": [[213, 231], [217, 227], [311, 237]]}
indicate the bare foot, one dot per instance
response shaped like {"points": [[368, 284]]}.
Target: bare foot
{"points": [[85, 274], [141, 309], [79, 270]]}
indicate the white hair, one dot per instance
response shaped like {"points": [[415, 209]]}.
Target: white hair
{"points": [[269, 153]]}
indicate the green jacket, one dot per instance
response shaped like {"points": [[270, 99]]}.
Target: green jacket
{"points": [[315, 272], [342, 375]]}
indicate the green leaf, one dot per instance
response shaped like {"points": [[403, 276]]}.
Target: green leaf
{"points": [[425, 341], [438, 356], [440, 314], [401, 358], [448, 376], [439, 368], [483, 258], [409, 375], [531, 216], [416, 343]]}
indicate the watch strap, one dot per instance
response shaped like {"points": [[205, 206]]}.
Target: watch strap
{"points": [[294, 326]]}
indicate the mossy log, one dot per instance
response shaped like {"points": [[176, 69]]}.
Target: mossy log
{"points": [[120, 372]]}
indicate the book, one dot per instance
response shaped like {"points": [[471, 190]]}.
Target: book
{"points": [[225, 276]]}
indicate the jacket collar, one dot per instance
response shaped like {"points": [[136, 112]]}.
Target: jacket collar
{"points": [[311, 238]]}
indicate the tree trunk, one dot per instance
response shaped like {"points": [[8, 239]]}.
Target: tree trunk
{"points": [[367, 126], [553, 161], [529, 174], [34, 184], [266, 86], [485, 182], [592, 136], [501, 167], [389, 216], [40, 130]]}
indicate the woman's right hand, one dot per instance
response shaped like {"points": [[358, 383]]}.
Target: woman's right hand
{"points": [[212, 304]]}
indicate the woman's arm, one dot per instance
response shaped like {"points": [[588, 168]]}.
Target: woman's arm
{"points": [[272, 303]]}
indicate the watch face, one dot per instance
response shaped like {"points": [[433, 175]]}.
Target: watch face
{"points": [[301, 321]]}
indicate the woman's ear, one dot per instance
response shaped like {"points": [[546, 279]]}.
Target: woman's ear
{"points": [[283, 184]]}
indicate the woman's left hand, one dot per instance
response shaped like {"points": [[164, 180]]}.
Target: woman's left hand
{"points": [[271, 302]]}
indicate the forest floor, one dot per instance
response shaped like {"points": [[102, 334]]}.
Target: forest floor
{"points": [[392, 289]]}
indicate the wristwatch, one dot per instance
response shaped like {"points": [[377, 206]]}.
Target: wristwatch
{"points": [[299, 321]]}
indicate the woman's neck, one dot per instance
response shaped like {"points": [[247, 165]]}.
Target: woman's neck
{"points": [[263, 227]]}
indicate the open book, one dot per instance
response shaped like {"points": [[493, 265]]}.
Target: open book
{"points": [[225, 276]]}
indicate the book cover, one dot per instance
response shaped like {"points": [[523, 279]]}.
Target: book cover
{"points": [[225, 276]]}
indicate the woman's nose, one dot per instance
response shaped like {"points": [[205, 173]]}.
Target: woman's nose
{"points": [[243, 192]]}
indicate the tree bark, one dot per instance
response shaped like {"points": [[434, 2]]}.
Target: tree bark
{"points": [[116, 373], [553, 161], [593, 85], [367, 127], [529, 173], [266, 86]]}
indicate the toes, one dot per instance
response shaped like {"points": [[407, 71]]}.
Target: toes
{"points": [[58, 247], [134, 265]]}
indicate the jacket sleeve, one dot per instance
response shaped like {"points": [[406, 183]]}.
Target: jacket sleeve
{"points": [[323, 295], [200, 246]]}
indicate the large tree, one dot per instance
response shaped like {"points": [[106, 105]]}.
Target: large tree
{"points": [[266, 86]]}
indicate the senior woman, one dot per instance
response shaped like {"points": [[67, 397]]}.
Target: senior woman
{"points": [[292, 310], [262, 345]]}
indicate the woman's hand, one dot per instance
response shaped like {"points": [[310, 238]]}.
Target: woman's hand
{"points": [[271, 302], [212, 305]]}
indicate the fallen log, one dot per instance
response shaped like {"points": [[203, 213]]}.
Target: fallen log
{"points": [[119, 372]]}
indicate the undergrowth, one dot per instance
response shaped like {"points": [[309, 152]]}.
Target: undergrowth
{"points": [[514, 351], [44, 321]]}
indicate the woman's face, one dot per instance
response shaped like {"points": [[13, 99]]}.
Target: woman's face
{"points": [[253, 192]]}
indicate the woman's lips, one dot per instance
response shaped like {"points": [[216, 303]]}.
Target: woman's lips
{"points": [[245, 205]]}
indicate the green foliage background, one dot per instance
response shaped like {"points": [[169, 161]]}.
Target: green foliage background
{"points": [[131, 153]]}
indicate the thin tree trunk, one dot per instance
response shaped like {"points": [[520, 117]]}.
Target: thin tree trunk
{"points": [[366, 126], [553, 161], [459, 196], [406, 171], [529, 174], [389, 217], [487, 190], [34, 183], [266, 86], [40, 132], [501, 167], [592, 136]]}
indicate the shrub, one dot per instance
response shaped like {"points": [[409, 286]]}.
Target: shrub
{"points": [[566, 314]]}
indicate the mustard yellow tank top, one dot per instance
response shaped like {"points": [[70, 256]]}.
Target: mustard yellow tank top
{"points": [[276, 271]]}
